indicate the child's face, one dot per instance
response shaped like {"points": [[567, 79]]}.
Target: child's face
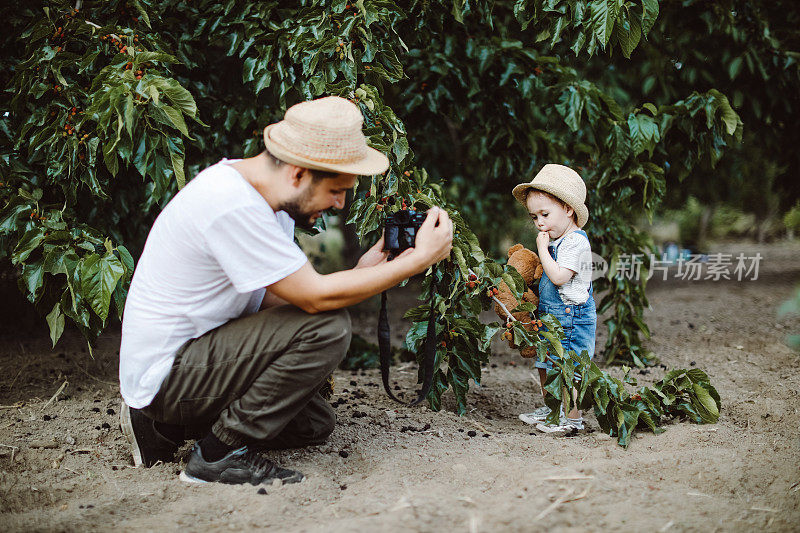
{"points": [[549, 215]]}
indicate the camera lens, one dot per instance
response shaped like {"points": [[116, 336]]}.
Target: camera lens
{"points": [[402, 218]]}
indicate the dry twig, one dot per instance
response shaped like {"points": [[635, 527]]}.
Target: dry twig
{"points": [[79, 367], [13, 450], [479, 426], [567, 478], [53, 398], [563, 499], [579, 496], [553, 505]]}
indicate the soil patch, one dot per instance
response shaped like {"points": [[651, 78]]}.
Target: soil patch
{"points": [[64, 464]]}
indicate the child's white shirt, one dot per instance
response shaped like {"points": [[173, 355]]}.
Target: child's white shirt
{"points": [[575, 253]]}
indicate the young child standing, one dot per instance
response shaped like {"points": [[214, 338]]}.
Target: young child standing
{"points": [[555, 199]]}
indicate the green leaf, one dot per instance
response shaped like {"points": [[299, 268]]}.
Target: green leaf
{"points": [[570, 106], [145, 57], [60, 261], [99, 276], [176, 117], [31, 280], [611, 104], [621, 147], [489, 331], [705, 405], [129, 122], [126, 258], [602, 16], [418, 314], [142, 12], [462, 264], [110, 157], [27, 244], [629, 32], [154, 94], [644, 133], [55, 319], [400, 148], [457, 10], [416, 335], [729, 116], [735, 67], [180, 97], [554, 342], [519, 281], [249, 67], [177, 166], [697, 375], [649, 15]]}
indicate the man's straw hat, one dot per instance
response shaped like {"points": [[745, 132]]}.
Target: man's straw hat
{"points": [[325, 134], [563, 183]]}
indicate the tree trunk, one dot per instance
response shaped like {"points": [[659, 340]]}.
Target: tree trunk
{"points": [[769, 217], [703, 226]]}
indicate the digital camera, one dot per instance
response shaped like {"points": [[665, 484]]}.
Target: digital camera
{"points": [[400, 231]]}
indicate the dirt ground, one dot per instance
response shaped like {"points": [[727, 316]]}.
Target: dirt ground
{"points": [[64, 465]]}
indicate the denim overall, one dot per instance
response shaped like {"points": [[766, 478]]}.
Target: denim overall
{"points": [[579, 321]]}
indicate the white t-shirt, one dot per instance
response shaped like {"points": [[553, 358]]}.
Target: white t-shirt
{"points": [[575, 253], [207, 260]]}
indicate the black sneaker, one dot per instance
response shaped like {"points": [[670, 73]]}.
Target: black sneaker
{"points": [[148, 446], [238, 467]]}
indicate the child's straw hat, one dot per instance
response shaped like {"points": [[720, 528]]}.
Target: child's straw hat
{"points": [[325, 134], [563, 183]]}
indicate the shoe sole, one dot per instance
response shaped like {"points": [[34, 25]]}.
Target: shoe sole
{"points": [[551, 429], [532, 420], [126, 426], [544, 428], [186, 478]]}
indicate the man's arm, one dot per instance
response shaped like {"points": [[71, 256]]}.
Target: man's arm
{"points": [[314, 292], [270, 300], [374, 256]]}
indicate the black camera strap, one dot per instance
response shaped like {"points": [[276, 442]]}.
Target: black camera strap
{"points": [[385, 345]]}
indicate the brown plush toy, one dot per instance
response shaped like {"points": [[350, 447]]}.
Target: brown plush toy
{"points": [[530, 268]]}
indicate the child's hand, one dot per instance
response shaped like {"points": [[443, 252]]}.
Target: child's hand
{"points": [[542, 240]]}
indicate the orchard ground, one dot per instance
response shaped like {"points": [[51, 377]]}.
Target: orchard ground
{"points": [[64, 465]]}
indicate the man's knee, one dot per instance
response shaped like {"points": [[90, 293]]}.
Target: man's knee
{"points": [[335, 327], [336, 321]]}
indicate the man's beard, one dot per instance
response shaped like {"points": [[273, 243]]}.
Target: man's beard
{"points": [[295, 209]]}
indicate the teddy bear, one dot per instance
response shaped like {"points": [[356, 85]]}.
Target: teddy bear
{"points": [[530, 268]]}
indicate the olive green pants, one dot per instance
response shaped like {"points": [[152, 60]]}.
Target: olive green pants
{"points": [[256, 379]]}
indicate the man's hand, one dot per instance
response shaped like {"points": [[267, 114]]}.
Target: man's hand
{"points": [[374, 256], [434, 238]]}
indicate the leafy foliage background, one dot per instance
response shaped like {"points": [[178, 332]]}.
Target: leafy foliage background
{"points": [[109, 108]]}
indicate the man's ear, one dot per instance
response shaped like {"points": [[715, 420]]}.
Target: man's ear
{"points": [[296, 174]]}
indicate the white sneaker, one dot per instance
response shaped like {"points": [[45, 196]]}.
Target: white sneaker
{"points": [[538, 415], [564, 425]]}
